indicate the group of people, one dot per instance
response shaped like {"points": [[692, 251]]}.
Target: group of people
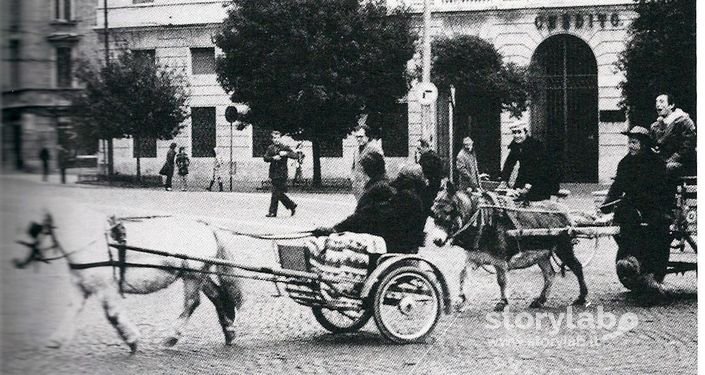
{"points": [[642, 195], [178, 162]]}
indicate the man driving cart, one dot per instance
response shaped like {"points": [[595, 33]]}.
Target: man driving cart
{"points": [[640, 199]]}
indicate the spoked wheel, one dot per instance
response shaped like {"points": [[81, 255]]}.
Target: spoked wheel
{"points": [[337, 321], [407, 305], [584, 251]]}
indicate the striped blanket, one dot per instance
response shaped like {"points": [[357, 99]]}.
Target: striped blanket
{"points": [[542, 214], [343, 256]]}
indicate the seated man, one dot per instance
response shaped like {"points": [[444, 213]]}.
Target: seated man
{"points": [[537, 179], [398, 218], [640, 199]]}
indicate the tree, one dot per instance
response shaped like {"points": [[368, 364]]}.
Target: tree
{"points": [[311, 67], [484, 86], [660, 57], [131, 97]]}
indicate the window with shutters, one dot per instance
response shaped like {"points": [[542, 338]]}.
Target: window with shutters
{"points": [[202, 131]]}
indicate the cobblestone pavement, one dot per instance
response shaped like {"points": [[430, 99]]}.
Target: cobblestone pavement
{"points": [[275, 335]]}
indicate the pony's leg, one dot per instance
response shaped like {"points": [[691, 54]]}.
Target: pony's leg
{"points": [[217, 296], [119, 320], [67, 328], [502, 282], [548, 276], [192, 298], [566, 254]]}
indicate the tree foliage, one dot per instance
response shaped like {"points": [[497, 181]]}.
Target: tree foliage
{"points": [[660, 57], [311, 67], [130, 97], [476, 70]]}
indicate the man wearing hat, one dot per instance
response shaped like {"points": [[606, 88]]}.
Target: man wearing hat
{"points": [[639, 198], [536, 179]]}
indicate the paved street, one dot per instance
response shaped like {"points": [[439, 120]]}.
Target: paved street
{"points": [[275, 335]]}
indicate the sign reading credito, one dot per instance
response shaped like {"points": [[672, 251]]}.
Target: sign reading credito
{"points": [[576, 21]]}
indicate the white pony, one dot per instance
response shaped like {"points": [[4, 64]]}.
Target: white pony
{"points": [[81, 236]]}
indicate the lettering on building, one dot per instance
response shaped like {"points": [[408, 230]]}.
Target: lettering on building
{"points": [[576, 21]]}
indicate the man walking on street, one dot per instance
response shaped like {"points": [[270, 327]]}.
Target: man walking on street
{"points": [[466, 163], [432, 167], [44, 157], [277, 155], [365, 146]]}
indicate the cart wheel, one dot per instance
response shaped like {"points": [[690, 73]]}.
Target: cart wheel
{"points": [[337, 321], [407, 305], [584, 251]]}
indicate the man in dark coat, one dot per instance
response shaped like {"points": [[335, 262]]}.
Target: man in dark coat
{"points": [[168, 168], [537, 179], [639, 197], [44, 157], [673, 136], [277, 155], [392, 211], [432, 167]]}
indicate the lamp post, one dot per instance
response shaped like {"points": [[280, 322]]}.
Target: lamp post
{"points": [[231, 116]]}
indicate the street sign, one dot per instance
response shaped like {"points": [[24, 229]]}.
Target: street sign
{"points": [[427, 93], [231, 114]]}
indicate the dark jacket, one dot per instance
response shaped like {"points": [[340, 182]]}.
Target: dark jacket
{"points": [[168, 167], [433, 170], [278, 169], [674, 137], [535, 168], [395, 215]]}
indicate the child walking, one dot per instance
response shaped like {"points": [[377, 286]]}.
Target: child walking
{"points": [[182, 162]]}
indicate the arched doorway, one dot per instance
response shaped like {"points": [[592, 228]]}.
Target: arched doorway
{"points": [[564, 111]]}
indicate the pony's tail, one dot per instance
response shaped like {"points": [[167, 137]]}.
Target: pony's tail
{"points": [[228, 286]]}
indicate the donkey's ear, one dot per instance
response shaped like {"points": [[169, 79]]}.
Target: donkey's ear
{"points": [[450, 188]]}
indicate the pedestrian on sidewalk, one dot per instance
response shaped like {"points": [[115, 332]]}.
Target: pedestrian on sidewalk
{"points": [[277, 155], [182, 162], [217, 170], [168, 167], [63, 159], [466, 164], [44, 157], [365, 145]]}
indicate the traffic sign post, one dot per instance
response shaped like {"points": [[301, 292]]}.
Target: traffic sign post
{"points": [[231, 115], [428, 93]]}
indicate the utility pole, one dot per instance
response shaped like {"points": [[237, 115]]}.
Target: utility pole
{"points": [[106, 46], [428, 91]]}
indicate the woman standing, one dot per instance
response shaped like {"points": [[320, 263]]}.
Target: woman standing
{"points": [[182, 162]]}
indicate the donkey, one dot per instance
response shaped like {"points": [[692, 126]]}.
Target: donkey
{"points": [[459, 217], [81, 236]]}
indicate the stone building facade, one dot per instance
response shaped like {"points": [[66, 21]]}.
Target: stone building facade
{"points": [[42, 43]]}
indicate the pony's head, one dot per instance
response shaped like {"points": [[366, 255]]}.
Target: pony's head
{"points": [[451, 211], [39, 239]]}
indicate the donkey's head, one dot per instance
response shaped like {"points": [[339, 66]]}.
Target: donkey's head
{"points": [[451, 212], [39, 239]]}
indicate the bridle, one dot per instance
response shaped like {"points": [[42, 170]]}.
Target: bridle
{"points": [[454, 227], [36, 253]]}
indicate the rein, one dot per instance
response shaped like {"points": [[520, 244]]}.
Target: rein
{"points": [[262, 236]]}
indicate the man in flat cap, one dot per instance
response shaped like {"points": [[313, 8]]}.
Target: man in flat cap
{"points": [[536, 179], [673, 138], [640, 198]]}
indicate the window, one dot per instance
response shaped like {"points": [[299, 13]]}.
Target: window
{"points": [[203, 60], [147, 54], [147, 147], [63, 67], [202, 131], [394, 129], [62, 9], [15, 64]]}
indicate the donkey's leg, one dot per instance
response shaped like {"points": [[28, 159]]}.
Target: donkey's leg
{"points": [[566, 254], [216, 295], [502, 282], [192, 298], [67, 328], [119, 320], [548, 276]]}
